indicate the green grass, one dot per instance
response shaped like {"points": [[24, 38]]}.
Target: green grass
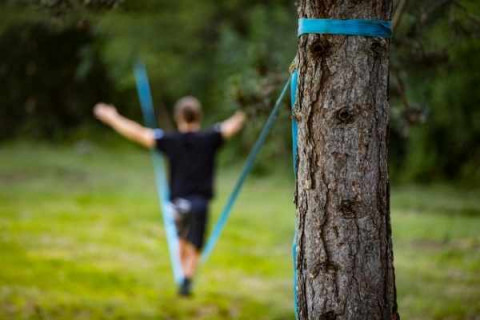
{"points": [[81, 238]]}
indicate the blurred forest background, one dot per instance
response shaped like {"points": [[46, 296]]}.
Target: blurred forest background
{"points": [[59, 57]]}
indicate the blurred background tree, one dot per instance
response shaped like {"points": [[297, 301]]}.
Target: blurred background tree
{"points": [[435, 69], [58, 57]]}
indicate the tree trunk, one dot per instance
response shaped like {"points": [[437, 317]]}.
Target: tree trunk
{"points": [[344, 246]]}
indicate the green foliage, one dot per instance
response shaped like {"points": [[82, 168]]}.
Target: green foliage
{"points": [[54, 77], [235, 54], [436, 51]]}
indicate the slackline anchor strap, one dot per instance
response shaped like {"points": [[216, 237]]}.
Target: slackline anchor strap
{"points": [[347, 27]]}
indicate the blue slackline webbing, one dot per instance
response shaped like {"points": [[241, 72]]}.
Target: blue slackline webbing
{"points": [[293, 97], [146, 102], [354, 27], [222, 220]]}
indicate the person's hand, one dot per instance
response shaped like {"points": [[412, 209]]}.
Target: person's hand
{"points": [[240, 115], [233, 125], [105, 112]]}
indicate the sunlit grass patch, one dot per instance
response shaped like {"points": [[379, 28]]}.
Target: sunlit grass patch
{"points": [[81, 238]]}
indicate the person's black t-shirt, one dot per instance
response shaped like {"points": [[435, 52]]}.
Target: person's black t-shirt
{"points": [[191, 156]]}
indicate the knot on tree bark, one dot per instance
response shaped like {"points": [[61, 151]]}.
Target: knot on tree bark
{"points": [[330, 315], [320, 48], [349, 208], [345, 115], [378, 47]]}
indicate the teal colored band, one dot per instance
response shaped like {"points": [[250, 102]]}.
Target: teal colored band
{"points": [[352, 27], [293, 98]]}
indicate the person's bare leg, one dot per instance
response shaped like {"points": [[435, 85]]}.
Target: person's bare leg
{"points": [[193, 257], [183, 251]]}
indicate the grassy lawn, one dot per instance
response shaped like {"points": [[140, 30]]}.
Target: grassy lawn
{"points": [[81, 238]]}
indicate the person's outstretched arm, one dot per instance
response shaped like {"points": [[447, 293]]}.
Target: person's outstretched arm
{"points": [[233, 125], [129, 129]]}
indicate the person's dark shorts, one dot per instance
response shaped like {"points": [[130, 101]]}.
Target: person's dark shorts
{"points": [[191, 215]]}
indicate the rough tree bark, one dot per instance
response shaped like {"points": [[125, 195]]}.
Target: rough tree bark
{"points": [[344, 257]]}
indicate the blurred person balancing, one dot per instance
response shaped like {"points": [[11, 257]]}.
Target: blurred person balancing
{"points": [[146, 103], [191, 153]]}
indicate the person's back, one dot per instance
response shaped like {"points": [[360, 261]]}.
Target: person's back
{"points": [[191, 155]]}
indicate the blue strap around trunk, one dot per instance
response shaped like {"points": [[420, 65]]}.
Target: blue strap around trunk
{"points": [[352, 27]]}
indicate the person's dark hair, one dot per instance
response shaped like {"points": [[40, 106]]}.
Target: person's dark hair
{"points": [[188, 109]]}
